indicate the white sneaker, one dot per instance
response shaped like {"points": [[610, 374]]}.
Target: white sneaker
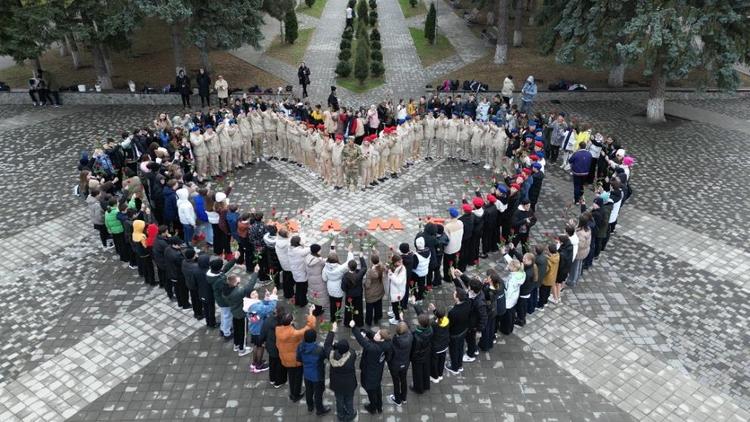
{"points": [[244, 352], [236, 348], [440, 378], [468, 358], [394, 321], [390, 314], [552, 300], [434, 380]]}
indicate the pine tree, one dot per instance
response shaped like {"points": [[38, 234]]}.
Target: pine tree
{"points": [[290, 22], [362, 11], [361, 62], [430, 24]]}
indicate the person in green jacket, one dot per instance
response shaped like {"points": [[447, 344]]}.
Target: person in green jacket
{"points": [[233, 292], [216, 277], [116, 230]]}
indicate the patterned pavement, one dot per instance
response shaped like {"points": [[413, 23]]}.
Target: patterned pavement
{"points": [[656, 331]]}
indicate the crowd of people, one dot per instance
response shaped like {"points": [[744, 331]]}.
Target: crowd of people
{"points": [[157, 197]]}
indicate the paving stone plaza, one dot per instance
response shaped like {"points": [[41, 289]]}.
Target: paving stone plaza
{"points": [[656, 331]]}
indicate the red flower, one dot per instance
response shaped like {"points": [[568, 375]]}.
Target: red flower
{"points": [[466, 181], [301, 210], [411, 283], [450, 263], [479, 177], [450, 202], [398, 298], [428, 288], [338, 303], [314, 294], [476, 261], [292, 301], [349, 300]]}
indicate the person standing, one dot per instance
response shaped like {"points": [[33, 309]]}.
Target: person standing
{"points": [[204, 87], [376, 350], [216, 277], [303, 74], [454, 230], [343, 375], [222, 91], [333, 101], [288, 339], [276, 371], [349, 17], [174, 257], [234, 292], [398, 363], [351, 283], [420, 354], [374, 291], [580, 166], [296, 254], [205, 291], [528, 92], [182, 83], [507, 91], [191, 271], [459, 324], [312, 357]]}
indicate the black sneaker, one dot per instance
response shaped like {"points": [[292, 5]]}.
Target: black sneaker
{"points": [[325, 410]]}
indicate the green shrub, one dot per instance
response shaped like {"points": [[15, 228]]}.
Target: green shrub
{"points": [[376, 68], [345, 44], [309, 3], [375, 45], [348, 34], [343, 69], [413, 3], [290, 22], [376, 55], [374, 35], [345, 54], [373, 4], [361, 61], [373, 17]]}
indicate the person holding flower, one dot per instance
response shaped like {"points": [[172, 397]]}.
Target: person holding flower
{"points": [[351, 283], [333, 271], [397, 287], [374, 290]]}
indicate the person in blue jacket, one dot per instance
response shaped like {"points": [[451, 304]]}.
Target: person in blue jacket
{"points": [[580, 164], [313, 357], [257, 311]]}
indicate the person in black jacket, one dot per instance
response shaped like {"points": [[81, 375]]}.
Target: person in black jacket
{"points": [[333, 101], [351, 284], [276, 371], [410, 262], [343, 375], [566, 260], [522, 222], [303, 74], [537, 178], [490, 232], [429, 234], [440, 244], [438, 340], [458, 316], [398, 363], [205, 291], [160, 247], [376, 349], [191, 271], [173, 257], [477, 316], [494, 291], [465, 253], [525, 290], [182, 84], [204, 87], [420, 354]]}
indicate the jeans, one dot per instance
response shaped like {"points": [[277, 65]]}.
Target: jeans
{"points": [[526, 106], [345, 406], [575, 272], [188, 231], [226, 320]]}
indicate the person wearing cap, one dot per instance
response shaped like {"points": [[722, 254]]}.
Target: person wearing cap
{"points": [[213, 145], [467, 218], [452, 128], [225, 143], [368, 159], [246, 139], [288, 338], [337, 149], [441, 128], [429, 124], [351, 156], [200, 152], [454, 230], [384, 152], [313, 357], [537, 177], [256, 124], [268, 117], [342, 374], [477, 228], [490, 227]]}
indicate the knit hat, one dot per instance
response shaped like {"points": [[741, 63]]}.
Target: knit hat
{"points": [[419, 243], [453, 212], [491, 199], [220, 196], [310, 336], [478, 202], [314, 248], [216, 265], [342, 346], [466, 208]]}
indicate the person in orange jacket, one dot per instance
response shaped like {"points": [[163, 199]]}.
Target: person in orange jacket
{"points": [[287, 340]]}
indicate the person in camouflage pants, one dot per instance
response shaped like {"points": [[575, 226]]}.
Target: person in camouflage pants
{"points": [[351, 156]]}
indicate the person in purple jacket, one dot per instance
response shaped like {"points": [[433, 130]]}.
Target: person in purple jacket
{"points": [[580, 164]]}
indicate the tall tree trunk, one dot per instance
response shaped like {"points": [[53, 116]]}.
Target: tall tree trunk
{"points": [[531, 7], [102, 72], [281, 29], [205, 60], [74, 53], [501, 49], [616, 73], [37, 63], [63, 49], [656, 94], [517, 34], [108, 60], [177, 49]]}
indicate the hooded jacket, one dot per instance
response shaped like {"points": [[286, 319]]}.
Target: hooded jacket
{"points": [[332, 274], [373, 283], [217, 283], [95, 210], [296, 257], [282, 252], [185, 207], [566, 259], [421, 345], [459, 316], [258, 311], [440, 335], [351, 281], [233, 295], [553, 261], [584, 243], [317, 288], [541, 268], [401, 345], [287, 340], [170, 204], [173, 257], [312, 357], [513, 288], [158, 251], [374, 356], [191, 272], [268, 335], [342, 370], [204, 289]]}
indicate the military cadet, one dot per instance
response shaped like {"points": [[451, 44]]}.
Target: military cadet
{"points": [[351, 157], [428, 135], [213, 144], [256, 124], [246, 134], [337, 167], [200, 153]]}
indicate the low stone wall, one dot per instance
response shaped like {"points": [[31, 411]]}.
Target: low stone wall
{"points": [[98, 98]]}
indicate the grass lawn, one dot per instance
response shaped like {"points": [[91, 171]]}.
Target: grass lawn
{"points": [[409, 11], [353, 85], [315, 11], [291, 53], [148, 62], [430, 54]]}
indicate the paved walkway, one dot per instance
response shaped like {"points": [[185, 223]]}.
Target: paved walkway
{"points": [[467, 45], [321, 55], [632, 379], [705, 116]]}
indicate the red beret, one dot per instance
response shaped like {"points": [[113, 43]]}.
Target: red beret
{"points": [[527, 171], [339, 136], [478, 202], [540, 144], [466, 208], [534, 157], [515, 186], [491, 199], [321, 127]]}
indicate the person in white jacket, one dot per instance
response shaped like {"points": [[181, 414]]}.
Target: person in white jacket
{"points": [[396, 287], [186, 212], [332, 274], [282, 252], [507, 91], [296, 256]]}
